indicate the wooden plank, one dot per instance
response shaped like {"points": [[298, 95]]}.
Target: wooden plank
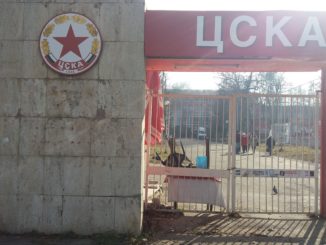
{"points": [[191, 172]]}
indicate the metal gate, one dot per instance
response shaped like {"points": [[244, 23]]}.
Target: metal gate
{"points": [[282, 176], [226, 165]]}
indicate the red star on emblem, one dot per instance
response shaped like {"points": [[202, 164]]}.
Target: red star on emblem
{"points": [[70, 42]]}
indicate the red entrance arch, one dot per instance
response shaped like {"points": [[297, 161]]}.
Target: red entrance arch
{"points": [[239, 42]]}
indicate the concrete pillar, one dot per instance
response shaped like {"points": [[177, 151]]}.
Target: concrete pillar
{"points": [[71, 146]]}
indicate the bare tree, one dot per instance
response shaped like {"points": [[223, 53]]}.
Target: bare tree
{"points": [[250, 82], [164, 80], [270, 83], [236, 82]]}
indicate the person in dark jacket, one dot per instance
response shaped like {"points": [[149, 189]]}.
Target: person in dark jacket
{"points": [[253, 142], [270, 143], [237, 143]]}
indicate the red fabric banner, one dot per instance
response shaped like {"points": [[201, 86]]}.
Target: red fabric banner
{"points": [[154, 112]]}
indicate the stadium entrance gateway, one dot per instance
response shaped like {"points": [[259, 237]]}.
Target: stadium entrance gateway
{"points": [[239, 42]]}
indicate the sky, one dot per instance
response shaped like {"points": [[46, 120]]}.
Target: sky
{"points": [[207, 80], [311, 5]]}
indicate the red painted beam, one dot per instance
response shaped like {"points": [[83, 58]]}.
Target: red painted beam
{"points": [[235, 35], [215, 65]]}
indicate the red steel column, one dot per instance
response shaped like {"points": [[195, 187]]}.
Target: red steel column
{"points": [[323, 145]]}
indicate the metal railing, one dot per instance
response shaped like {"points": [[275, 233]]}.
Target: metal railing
{"points": [[281, 179]]}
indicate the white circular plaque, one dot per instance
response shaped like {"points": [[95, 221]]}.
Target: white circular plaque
{"points": [[70, 43]]}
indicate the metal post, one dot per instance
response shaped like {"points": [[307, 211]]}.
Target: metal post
{"points": [[231, 150], [149, 98], [209, 206], [322, 145], [316, 153], [207, 151], [229, 156]]}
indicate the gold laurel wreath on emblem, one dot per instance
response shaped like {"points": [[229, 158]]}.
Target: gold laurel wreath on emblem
{"points": [[61, 19], [95, 46], [91, 29], [48, 30], [45, 47], [79, 19]]}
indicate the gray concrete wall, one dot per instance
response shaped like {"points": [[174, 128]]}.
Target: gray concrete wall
{"points": [[70, 147]]}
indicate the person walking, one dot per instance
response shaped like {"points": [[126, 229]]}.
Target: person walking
{"points": [[237, 143], [244, 142], [270, 143], [253, 142]]}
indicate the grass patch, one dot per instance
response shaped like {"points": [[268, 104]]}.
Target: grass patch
{"points": [[107, 238], [292, 152], [112, 238], [286, 151]]}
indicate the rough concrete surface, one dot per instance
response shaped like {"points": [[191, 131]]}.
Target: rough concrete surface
{"points": [[173, 228], [27, 240], [70, 146], [168, 227]]}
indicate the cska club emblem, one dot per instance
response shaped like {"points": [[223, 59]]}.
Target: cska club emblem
{"points": [[70, 44]]}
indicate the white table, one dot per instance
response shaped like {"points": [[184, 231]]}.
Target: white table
{"points": [[195, 190]]}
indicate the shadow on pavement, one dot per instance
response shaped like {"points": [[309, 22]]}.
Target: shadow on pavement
{"points": [[248, 229]]}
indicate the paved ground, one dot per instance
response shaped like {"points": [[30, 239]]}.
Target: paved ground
{"points": [[249, 229], [162, 228], [255, 193], [41, 240], [70, 239]]}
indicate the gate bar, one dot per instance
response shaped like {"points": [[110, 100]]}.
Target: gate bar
{"points": [[149, 98], [232, 150], [323, 145], [316, 152]]}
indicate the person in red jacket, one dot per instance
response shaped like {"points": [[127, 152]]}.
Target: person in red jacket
{"points": [[244, 142]]}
